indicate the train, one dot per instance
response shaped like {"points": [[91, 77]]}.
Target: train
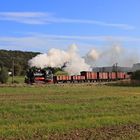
{"points": [[38, 75], [46, 76]]}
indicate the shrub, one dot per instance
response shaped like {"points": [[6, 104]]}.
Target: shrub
{"points": [[136, 75], [3, 75]]}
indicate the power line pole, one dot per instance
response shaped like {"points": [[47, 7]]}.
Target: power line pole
{"points": [[116, 67], [13, 63], [117, 70]]}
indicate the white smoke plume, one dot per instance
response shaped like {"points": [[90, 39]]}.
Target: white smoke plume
{"points": [[115, 53], [74, 63], [92, 56], [105, 56], [57, 58]]}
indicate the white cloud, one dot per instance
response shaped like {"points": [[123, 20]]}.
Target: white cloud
{"points": [[94, 22], [43, 42], [45, 18], [25, 17], [92, 38]]}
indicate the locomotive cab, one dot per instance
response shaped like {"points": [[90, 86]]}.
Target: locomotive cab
{"points": [[48, 76]]}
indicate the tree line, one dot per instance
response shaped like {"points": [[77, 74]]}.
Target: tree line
{"points": [[17, 59]]}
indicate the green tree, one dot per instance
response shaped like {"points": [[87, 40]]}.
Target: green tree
{"points": [[20, 58], [17, 69], [3, 75], [136, 75]]}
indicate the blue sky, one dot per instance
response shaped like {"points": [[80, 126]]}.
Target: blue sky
{"points": [[38, 25]]}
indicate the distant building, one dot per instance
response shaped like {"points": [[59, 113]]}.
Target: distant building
{"points": [[111, 69]]}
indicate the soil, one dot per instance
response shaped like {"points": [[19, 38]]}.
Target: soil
{"points": [[129, 132]]}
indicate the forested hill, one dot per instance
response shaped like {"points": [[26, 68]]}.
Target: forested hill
{"points": [[20, 60]]}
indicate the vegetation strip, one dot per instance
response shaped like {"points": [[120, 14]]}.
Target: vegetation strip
{"points": [[60, 112]]}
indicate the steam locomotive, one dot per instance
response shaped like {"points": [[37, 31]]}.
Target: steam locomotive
{"points": [[37, 75]]}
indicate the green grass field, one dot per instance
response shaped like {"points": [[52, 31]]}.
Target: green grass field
{"points": [[69, 111], [16, 79]]}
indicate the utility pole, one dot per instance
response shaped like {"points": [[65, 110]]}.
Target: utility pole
{"points": [[116, 67], [13, 63], [117, 70]]}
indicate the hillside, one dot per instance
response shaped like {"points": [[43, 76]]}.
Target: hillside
{"points": [[20, 60]]}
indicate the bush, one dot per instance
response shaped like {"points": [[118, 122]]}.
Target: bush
{"points": [[3, 75], [136, 75]]}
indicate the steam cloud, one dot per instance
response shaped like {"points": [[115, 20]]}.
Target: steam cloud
{"points": [[107, 56], [57, 58], [74, 63]]}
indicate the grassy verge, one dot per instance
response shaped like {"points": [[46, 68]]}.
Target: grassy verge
{"points": [[16, 79], [126, 83], [38, 112]]}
